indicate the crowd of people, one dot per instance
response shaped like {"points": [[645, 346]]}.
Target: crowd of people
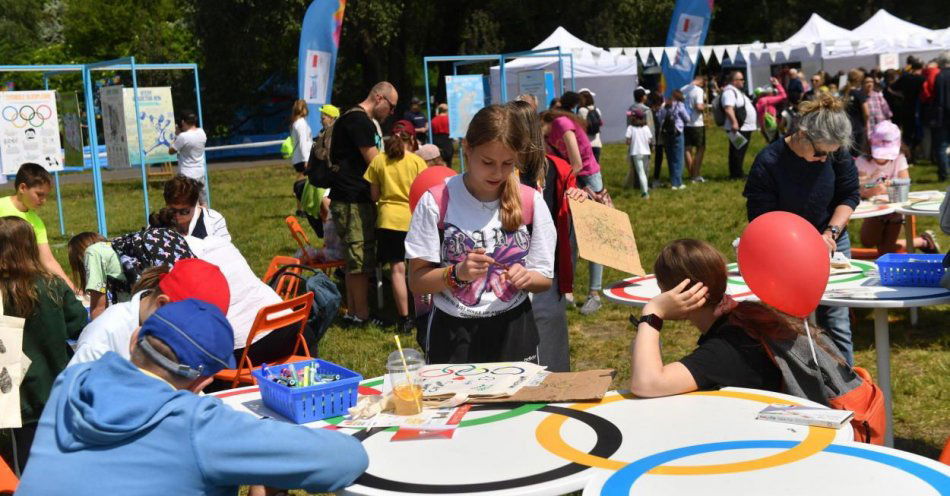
{"points": [[492, 248]]}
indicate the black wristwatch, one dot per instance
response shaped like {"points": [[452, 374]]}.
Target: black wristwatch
{"points": [[835, 231], [652, 320]]}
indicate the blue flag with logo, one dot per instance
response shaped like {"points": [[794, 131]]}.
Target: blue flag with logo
{"points": [[688, 27], [316, 60]]}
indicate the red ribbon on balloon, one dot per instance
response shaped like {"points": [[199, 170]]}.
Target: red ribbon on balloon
{"points": [[785, 262]]}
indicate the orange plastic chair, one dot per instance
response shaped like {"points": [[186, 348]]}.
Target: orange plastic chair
{"points": [[945, 456], [297, 232], [288, 284], [279, 315], [8, 480]]}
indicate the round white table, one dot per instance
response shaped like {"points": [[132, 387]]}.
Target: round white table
{"points": [[840, 468], [637, 291], [552, 449], [867, 209]]}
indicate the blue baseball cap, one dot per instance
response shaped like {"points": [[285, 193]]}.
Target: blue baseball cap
{"points": [[197, 332]]}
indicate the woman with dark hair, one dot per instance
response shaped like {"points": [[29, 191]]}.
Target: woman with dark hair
{"points": [[590, 113], [390, 175], [672, 120], [811, 173], [551, 176], [747, 344], [53, 315], [566, 137]]}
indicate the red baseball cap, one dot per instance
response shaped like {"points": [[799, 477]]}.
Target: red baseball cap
{"points": [[404, 126], [194, 278]]}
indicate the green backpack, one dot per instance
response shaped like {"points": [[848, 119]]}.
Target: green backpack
{"points": [[287, 148]]}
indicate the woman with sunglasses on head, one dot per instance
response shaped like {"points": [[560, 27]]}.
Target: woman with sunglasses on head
{"points": [[192, 219], [811, 173]]}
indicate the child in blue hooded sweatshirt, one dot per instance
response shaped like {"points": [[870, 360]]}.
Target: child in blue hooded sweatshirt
{"points": [[115, 426]]}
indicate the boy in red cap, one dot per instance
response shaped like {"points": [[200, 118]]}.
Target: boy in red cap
{"points": [[189, 278]]}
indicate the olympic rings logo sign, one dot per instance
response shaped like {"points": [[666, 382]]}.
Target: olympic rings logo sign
{"points": [[27, 115]]}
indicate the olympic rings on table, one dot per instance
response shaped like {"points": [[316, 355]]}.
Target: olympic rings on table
{"points": [[548, 434]]}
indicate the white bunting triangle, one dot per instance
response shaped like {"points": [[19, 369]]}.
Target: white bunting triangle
{"points": [[692, 52], [706, 51], [786, 51], [671, 54], [644, 54], [732, 51], [657, 53], [810, 48], [719, 51]]}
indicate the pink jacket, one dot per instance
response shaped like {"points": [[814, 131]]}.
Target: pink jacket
{"points": [[769, 103]]}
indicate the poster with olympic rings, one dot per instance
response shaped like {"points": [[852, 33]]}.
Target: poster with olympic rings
{"points": [[156, 115], [29, 130]]}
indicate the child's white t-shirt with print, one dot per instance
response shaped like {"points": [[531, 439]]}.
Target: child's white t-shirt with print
{"points": [[471, 224]]}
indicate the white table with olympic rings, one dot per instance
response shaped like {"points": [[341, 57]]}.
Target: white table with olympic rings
{"points": [[838, 468], [551, 449], [637, 291]]}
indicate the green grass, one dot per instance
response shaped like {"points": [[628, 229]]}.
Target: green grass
{"points": [[255, 202]]}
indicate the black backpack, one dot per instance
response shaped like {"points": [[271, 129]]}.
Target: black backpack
{"points": [[594, 121], [320, 170], [668, 128]]}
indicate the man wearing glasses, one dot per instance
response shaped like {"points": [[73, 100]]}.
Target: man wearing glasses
{"points": [[734, 104], [354, 145]]}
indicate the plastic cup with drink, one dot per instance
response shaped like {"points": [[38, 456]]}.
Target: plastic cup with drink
{"points": [[405, 381]]}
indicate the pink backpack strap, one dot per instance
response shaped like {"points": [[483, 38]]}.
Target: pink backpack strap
{"points": [[441, 196], [527, 204]]}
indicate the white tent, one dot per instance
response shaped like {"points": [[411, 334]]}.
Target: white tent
{"points": [[612, 77]]}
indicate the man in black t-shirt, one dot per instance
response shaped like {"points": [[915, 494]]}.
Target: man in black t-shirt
{"points": [[354, 145]]}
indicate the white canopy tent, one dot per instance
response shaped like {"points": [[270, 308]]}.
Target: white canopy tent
{"points": [[885, 33], [612, 77]]}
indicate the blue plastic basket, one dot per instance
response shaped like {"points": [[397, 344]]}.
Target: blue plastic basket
{"points": [[910, 269], [311, 403]]}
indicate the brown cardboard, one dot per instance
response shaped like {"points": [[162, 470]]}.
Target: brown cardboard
{"points": [[559, 387], [605, 236]]}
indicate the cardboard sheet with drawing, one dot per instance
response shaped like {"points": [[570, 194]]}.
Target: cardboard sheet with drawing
{"points": [[605, 236]]}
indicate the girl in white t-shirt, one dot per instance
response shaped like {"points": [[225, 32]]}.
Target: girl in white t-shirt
{"points": [[469, 245], [875, 172], [640, 140], [302, 138]]}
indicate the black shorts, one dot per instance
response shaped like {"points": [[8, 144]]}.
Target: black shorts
{"points": [[695, 136], [509, 337], [300, 167], [390, 246]]}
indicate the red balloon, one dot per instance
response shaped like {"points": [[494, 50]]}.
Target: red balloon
{"points": [[428, 178], [785, 262]]}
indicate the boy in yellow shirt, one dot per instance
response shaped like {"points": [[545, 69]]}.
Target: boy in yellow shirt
{"points": [[33, 184]]}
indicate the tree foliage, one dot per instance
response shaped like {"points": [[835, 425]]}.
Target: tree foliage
{"points": [[247, 49]]}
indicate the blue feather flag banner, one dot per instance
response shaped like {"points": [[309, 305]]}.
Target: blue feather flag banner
{"points": [[319, 41], [688, 27]]}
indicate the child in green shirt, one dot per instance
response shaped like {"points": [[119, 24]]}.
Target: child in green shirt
{"points": [[96, 266], [33, 184]]}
